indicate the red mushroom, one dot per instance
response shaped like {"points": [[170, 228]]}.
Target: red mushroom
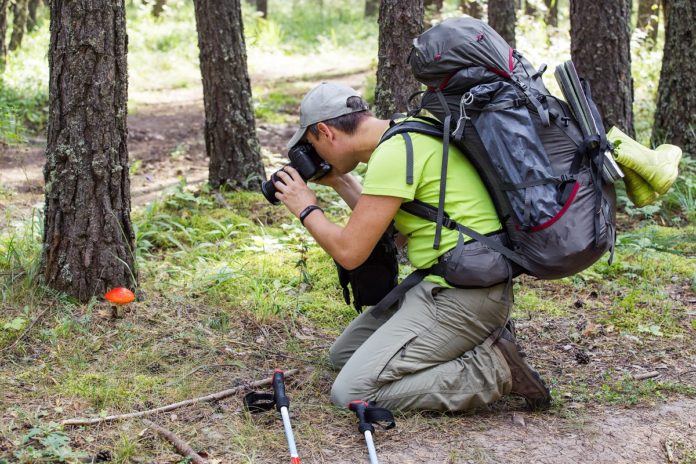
{"points": [[119, 296]]}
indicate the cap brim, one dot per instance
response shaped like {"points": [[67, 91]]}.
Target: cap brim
{"points": [[297, 137]]}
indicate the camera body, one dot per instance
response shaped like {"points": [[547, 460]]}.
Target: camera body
{"points": [[305, 159]]}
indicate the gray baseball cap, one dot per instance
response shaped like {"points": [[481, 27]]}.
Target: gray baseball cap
{"points": [[327, 100]]}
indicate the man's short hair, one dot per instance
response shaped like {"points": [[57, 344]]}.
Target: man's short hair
{"points": [[347, 123]]}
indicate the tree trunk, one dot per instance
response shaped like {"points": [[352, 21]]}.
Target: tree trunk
{"points": [[501, 17], [472, 8], [371, 8], [3, 32], [19, 24], [31, 18], [675, 117], [399, 23], [88, 242], [551, 13], [529, 8], [600, 49], [648, 18], [158, 8], [262, 7], [230, 127]]}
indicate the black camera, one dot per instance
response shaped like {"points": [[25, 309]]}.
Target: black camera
{"points": [[305, 159]]}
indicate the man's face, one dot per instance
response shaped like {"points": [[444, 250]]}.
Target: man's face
{"points": [[333, 146]]}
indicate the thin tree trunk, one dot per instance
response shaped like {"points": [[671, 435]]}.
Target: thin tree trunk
{"points": [[551, 13], [648, 19], [88, 241], [435, 5], [675, 117], [529, 8], [399, 23], [19, 24], [31, 19], [230, 127], [472, 8], [158, 8], [600, 49], [371, 8], [262, 7], [3, 32], [501, 17]]}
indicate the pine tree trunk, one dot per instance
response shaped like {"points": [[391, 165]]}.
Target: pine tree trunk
{"points": [[230, 127], [31, 18], [262, 7], [472, 8], [371, 8], [675, 117], [399, 23], [88, 242], [600, 49], [20, 11], [648, 18], [501, 17], [158, 8], [4, 4], [551, 12]]}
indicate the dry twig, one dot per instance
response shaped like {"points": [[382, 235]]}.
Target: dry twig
{"points": [[181, 446], [646, 375], [26, 331], [212, 397]]}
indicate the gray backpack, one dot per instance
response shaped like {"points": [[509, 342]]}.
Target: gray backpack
{"points": [[545, 179]]}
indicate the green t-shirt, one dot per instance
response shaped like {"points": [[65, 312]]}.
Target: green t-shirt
{"points": [[466, 201]]}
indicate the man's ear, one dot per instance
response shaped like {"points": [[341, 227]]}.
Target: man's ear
{"points": [[325, 131]]}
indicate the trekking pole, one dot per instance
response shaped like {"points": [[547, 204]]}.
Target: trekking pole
{"points": [[282, 403], [365, 427]]}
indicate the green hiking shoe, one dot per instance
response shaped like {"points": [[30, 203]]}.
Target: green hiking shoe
{"points": [[658, 167], [639, 192], [526, 382]]}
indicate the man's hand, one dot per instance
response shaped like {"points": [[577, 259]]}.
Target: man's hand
{"points": [[293, 191]]}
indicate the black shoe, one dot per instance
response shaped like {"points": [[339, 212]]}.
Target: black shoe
{"points": [[526, 382]]}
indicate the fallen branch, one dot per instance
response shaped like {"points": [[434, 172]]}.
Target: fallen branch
{"points": [[181, 446], [212, 397], [647, 375]]}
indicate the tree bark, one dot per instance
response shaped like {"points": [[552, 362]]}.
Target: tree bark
{"points": [[230, 127], [88, 241], [675, 117], [648, 19], [371, 8], [262, 7], [600, 49], [399, 23], [551, 13], [501, 17], [529, 8], [3, 32], [31, 18], [472, 8], [19, 24]]}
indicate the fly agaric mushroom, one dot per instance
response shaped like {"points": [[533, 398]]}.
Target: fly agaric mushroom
{"points": [[119, 296]]}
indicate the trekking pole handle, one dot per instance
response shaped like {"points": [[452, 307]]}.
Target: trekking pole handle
{"points": [[279, 396], [359, 407]]}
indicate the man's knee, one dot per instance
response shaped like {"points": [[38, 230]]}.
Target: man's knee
{"points": [[347, 388], [337, 357]]}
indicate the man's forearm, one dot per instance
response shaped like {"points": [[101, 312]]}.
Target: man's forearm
{"points": [[349, 189]]}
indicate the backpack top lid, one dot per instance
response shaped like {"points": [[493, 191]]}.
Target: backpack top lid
{"points": [[458, 43]]}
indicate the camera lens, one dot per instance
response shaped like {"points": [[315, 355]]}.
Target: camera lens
{"points": [[269, 190]]}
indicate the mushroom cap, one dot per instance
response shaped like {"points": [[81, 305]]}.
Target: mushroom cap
{"points": [[119, 295]]}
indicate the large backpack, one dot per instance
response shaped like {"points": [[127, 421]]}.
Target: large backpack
{"points": [[544, 178]]}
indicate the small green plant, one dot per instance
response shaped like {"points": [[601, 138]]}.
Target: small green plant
{"points": [[47, 443]]}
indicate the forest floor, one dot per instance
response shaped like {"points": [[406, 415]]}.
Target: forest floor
{"points": [[603, 411]]}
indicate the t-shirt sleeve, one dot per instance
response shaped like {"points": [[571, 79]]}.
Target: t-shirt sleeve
{"points": [[386, 171]]}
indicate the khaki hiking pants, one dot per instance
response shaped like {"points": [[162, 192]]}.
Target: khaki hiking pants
{"points": [[432, 353]]}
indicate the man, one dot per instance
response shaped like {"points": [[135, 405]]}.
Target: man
{"points": [[442, 348]]}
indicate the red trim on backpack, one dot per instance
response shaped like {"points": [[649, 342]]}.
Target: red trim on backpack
{"points": [[558, 215], [511, 65]]}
